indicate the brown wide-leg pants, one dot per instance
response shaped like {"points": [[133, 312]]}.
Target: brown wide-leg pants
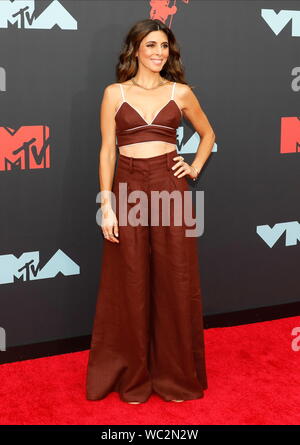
{"points": [[148, 328]]}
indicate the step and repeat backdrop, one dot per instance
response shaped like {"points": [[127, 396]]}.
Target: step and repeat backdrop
{"points": [[56, 58]]}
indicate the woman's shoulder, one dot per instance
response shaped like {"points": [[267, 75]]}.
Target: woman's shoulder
{"points": [[114, 87], [120, 83], [182, 86], [182, 89]]}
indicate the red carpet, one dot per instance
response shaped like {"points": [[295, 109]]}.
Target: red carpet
{"points": [[253, 379]]}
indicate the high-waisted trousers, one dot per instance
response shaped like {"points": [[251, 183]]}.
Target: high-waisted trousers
{"points": [[147, 334]]}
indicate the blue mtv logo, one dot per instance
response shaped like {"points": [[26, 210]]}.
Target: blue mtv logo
{"points": [[191, 146], [277, 21], [271, 235], [27, 267], [22, 14]]}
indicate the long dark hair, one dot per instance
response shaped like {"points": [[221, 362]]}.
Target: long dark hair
{"points": [[127, 66]]}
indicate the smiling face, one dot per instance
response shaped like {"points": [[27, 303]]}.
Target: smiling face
{"points": [[153, 51]]}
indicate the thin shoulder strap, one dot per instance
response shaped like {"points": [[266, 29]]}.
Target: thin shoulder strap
{"points": [[173, 89], [122, 91]]}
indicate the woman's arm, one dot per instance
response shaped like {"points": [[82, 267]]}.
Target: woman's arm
{"points": [[107, 156], [107, 162], [192, 110]]}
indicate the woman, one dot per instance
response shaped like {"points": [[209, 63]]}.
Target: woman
{"points": [[148, 332]]}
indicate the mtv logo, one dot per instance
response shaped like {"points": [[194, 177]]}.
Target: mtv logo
{"points": [[26, 148], [278, 21], [290, 135], [27, 267], [22, 13], [191, 146], [272, 235]]}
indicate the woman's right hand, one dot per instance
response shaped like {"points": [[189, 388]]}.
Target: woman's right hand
{"points": [[109, 225]]}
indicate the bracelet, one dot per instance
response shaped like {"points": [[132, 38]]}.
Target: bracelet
{"points": [[197, 172]]}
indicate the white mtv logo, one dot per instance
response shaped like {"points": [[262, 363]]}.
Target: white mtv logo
{"points": [[272, 234], [22, 13], [278, 21]]}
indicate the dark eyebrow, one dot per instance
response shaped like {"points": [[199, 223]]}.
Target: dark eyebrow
{"points": [[153, 41]]}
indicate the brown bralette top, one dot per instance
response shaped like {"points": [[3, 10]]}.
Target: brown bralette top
{"points": [[132, 128]]}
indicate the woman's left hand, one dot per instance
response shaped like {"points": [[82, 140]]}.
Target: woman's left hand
{"points": [[184, 168]]}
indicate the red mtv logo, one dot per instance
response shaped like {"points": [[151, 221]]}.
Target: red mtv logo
{"points": [[290, 135], [26, 148]]}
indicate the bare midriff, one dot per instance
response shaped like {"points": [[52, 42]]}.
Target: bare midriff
{"points": [[147, 149]]}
